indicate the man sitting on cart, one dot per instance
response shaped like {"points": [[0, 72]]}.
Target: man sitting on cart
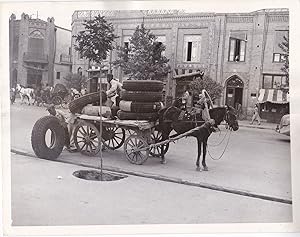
{"points": [[115, 87], [113, 94]]}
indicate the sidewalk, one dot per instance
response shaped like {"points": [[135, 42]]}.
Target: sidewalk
{"points": [[48, 194], [263, 125]]}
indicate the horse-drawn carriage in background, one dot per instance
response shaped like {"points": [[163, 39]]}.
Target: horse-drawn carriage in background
{"points": [[140, 133], [58, 95]]}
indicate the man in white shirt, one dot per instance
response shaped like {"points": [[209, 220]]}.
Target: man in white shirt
{"points": [[114, 90]]}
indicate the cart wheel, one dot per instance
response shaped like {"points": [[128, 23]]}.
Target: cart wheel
{"points": [[113, 137], [156, 137], [57, 100], [87, 138], [132, 146]]}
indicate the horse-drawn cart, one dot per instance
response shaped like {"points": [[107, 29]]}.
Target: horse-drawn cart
{"points": [[134, 135]]}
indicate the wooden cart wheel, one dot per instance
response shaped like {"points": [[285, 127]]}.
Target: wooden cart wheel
{"points": [[156, 136], [113, 137], [87, 138], [136, 149]]}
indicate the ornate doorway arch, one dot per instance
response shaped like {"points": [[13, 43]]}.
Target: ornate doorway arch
{"points": [[234, 91]]}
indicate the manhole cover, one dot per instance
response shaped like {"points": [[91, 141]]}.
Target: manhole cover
{"points": [[96, 175]]}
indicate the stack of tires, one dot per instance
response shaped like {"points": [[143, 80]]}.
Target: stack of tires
{"points": [[141, 100]]}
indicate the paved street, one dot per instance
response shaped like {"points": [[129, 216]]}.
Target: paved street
{"points": [[48, 200], [256, 161]]}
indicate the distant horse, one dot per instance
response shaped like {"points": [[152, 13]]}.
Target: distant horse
{"points": [[25, 93], [181, 121]]}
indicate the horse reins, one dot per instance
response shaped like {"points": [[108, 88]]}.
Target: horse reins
{"points": [[230, 129]]}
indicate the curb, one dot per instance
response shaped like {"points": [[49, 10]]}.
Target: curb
{"points": [[172, 180]]}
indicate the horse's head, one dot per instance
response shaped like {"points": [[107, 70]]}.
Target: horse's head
{"points": [[230, 118], [18, 87]]}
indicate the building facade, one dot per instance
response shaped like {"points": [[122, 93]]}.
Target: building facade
{"points": [[39, 51], [238, 50]]}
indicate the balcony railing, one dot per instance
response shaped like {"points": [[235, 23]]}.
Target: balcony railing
{"points": [[35, 57], [65, 59]]}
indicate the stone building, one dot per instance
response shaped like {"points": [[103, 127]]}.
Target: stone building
{"points": [[39, 51], [239, 50]]}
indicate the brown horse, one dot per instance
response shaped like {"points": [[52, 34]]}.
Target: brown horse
{"points": [[181, 121]]}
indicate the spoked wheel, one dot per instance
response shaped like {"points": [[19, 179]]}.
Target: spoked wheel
{"points": [[113, 137], [156, 137], [136, 149], [87, 138]]}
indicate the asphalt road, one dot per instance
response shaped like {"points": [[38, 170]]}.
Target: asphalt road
{"points": [[256, 161]]}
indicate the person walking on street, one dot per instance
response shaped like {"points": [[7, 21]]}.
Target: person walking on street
{"points": [[256, 115]]}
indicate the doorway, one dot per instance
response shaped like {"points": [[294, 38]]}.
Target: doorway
{"points": [[234, 91]]}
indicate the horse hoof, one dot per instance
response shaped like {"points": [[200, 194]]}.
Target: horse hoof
{"points": [[205, 168], [163, 162], [198, 169]]}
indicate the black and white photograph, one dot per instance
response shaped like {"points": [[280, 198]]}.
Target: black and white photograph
{"points": [[146, 117]]}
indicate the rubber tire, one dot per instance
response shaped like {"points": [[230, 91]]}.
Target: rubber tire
{"points": [[143, 85], [77, 105], [123, 115], [141, 96], [140, 107], [38, 137]]}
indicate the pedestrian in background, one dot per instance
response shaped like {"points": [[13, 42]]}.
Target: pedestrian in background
{"points": [[256, 115]]}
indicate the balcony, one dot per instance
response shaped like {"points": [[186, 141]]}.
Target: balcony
{"points": [[35, 57], [65, 59]]}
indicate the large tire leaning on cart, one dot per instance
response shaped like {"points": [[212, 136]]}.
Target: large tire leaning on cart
{"points": [[77, 105], [143, 85], [137, 116], [87, 138], [113, 137], [156, 136], [141, 96], [38, 138], [136, 149], [140, 107]]}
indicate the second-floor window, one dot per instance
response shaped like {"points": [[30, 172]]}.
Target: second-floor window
{"points": [[191, 48], [237, 48], [278, 58]]}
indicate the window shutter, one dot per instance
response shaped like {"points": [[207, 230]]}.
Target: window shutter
{"points": [[185, 43], [232, 47], [242, 50]]}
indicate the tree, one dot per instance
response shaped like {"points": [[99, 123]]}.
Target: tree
{"points": [[285, 68], [142, 58], [213, 88], [96, 40], [75, 81]]}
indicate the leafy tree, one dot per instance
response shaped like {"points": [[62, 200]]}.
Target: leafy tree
{"points": [[142, 59], [285, 68], [96, 40], [75, 81], [213, 88]]}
